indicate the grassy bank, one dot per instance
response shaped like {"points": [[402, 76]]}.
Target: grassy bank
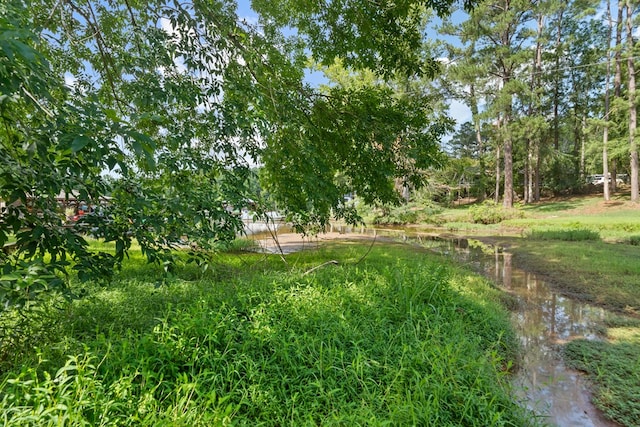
{"points": [[597, 272], [608, 275], [614, 368], [396, 339], [587, 249]]}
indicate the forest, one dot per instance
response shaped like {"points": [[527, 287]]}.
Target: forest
{"points": [[551, 91]]}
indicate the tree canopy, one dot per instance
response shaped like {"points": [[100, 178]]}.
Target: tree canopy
{"points": [[162, 108]]}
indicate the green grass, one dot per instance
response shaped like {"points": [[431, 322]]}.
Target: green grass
{"points": [[589, 250], [611, 226], [399, 339], [614, 366], [571, 235], [614, 221]]}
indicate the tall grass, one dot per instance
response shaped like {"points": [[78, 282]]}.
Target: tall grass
{"points": [[398, 339], [570, 235]]}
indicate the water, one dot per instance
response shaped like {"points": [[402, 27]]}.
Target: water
{"points": [[544, 321]]}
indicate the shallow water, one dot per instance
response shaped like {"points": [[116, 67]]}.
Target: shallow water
{"points": [[543, 319]]}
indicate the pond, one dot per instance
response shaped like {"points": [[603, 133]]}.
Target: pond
{"points": [[543, 319]]}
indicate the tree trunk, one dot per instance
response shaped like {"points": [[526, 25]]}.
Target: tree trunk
{"points": [[476, 124], [534, 143], [617, 79], [605, 133], [633, 147], [582, 148], [525, 175], [530, 175], [507, 200], [556, 89], [497, 195], [537, 175]]}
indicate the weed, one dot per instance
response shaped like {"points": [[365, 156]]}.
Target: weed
{"points": [[396, 339], [615, 367], [491, 213]]}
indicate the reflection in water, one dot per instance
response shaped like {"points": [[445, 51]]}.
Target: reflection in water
{"points": [[544, 320]]}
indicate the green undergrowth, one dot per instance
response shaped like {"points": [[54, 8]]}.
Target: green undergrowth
{"points": [[614, 368], [411, 213], [611, 225], [397, 339]]}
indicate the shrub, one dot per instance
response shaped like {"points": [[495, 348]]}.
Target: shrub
{"points": [[408, 214], [491, 213]]}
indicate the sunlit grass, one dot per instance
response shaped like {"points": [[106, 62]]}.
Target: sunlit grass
{"points": [[397, 338]]}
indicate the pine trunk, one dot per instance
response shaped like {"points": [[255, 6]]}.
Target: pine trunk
{"points": [[605, 133], [633, 147]]}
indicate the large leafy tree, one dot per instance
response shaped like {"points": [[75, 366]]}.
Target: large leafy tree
{"points": [[174, 102]]}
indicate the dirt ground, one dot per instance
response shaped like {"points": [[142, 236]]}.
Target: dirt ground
{"points": [[287, 243]]}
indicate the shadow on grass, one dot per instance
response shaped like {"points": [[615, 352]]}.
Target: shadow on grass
{"points": [[370, 343], [554, 207]]}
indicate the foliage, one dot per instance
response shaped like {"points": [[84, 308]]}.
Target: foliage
{"points": [[489, 212], [369, 135], [411, 213], [532, 77], [385, 36], [398, 338], [158, 110], [463, 143]]}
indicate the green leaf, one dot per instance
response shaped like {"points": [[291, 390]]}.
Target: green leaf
{"points": [[79, 143]]}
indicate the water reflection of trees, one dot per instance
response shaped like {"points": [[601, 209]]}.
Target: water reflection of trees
{"points": [[546, 316], [544, 320]]}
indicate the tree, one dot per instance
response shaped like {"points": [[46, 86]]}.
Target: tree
{"points": [[633, 145], [178, 101], [605, 133], [498, 31]]}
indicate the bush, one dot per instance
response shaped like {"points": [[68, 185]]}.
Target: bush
{"points": [[491, 213], [408, 214]]}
